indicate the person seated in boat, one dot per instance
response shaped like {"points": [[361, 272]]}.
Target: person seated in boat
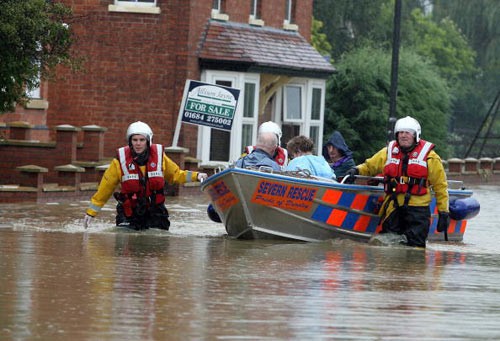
{"points": [[267, 143], [141, 168], [338, 154], [280, 154], [301, 149], [411, 168]]}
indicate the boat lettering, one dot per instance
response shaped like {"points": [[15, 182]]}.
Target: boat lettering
{"points": [[218, 190], [272, 189], [221, 195], [285, 196], [301, 193]]}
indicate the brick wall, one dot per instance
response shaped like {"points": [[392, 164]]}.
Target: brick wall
{"points": [[135, 67]]}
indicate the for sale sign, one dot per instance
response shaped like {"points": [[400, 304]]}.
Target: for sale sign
{"points": [[209, 104]]}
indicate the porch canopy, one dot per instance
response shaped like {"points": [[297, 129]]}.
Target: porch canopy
{"points": [[266, 50]]}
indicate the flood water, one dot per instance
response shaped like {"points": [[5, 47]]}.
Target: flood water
{"points": [[61, 282]]}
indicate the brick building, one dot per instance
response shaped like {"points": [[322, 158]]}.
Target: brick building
{"points": [[139, 53]]}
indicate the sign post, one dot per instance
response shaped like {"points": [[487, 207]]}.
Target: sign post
{"points": [[208, 105]]}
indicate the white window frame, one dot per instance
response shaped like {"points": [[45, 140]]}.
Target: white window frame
{"points": [[307, 85], [253, 121], [320, 121], [238, 80]]}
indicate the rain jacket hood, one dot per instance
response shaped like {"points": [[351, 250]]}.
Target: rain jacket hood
{"points": [[337, 140]]}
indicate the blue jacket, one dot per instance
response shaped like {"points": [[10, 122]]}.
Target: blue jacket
{"points": [[256, 159], [317, 165]]}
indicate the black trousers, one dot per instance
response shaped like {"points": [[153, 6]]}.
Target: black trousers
{"points": [[412, 221], [153, 217]]}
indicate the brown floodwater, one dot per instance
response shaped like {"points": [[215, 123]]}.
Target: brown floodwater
{"points": [[62, 282]]}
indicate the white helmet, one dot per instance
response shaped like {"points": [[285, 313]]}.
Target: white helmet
{"points": [[271, 127], [140, 128], [408, 124]]}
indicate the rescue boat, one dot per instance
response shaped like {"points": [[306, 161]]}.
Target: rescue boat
{"points": [[261, 204]]}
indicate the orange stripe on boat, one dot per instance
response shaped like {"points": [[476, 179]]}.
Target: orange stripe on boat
{"points": [[332, 196], [359, 201], [336, 218], [463, 227], [451, 228], [362, 223]]}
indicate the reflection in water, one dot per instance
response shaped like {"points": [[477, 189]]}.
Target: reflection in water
{"points": [[61, 282]]}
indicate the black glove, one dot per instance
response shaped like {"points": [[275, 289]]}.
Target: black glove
{"points": [[350, 175], [443, 221]]}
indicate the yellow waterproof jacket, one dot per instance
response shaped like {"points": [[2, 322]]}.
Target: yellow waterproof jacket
{"points": [[436, 181], [112, 177]]}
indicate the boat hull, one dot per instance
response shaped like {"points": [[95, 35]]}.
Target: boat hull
{"points": [[260, 205]]}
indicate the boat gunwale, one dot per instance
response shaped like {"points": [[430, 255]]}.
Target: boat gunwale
{"points": [[315, 181]]}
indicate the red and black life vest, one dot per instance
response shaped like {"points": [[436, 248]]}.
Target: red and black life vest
{"points": [[280, 155], [136, 187], [407, 172]]}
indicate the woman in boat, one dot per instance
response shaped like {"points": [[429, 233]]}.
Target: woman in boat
{"points": [[301, 149], [142, 169], [280, 155], [410, 167], [338, 154]]}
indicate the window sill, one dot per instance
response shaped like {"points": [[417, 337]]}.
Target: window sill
{"points": [[255, 22], [290, 27], [39, 104], [219, 16], [134, 9]]}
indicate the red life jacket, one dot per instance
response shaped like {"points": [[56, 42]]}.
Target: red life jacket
{"points": [[135, 186], [414, 179], [280, 155]]}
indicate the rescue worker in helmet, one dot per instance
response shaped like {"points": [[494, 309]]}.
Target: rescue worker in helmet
{"points": [[141, 168], [411, 168], [280, 154]]}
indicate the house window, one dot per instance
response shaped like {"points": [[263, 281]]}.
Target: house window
{"points": [[316, 104], [302, 110], [293, 103], [218, 10], [255, 9], [315, 123], [289, 11], [34, 92], [249, 115], [314, 135]]}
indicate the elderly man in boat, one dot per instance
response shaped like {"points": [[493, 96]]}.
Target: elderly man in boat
{"points": [[261, 156], [410, 167]]}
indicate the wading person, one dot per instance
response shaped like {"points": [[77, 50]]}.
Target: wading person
{"points": [[141, 168], [411, 168]]}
